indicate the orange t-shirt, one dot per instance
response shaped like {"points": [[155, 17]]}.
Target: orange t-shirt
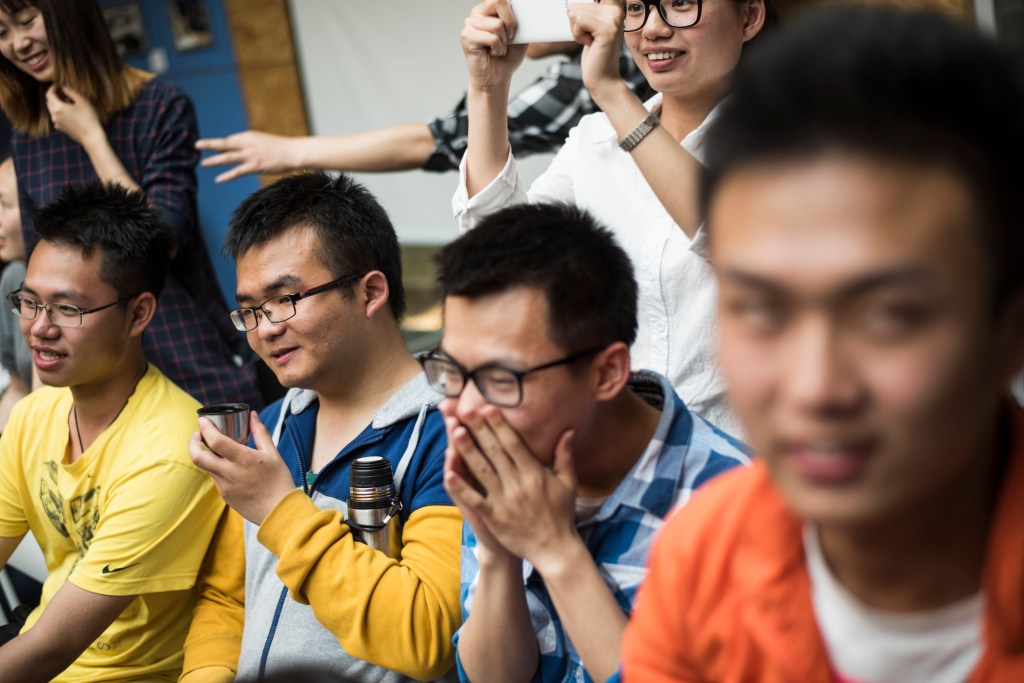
{"points": [[728, 597]]}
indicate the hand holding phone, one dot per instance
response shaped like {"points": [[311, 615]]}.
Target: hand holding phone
{"points": [[486, 38]]}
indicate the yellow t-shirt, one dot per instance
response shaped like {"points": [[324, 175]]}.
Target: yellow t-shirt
{"points": [[132, 516]]}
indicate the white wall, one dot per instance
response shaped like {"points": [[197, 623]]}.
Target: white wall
{"points": [[371, 64]]}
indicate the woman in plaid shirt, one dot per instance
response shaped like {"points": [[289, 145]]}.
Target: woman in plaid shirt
{"points": [[80, 113]]}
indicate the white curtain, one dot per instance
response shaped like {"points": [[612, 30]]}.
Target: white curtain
{"points": [[371, 64]]}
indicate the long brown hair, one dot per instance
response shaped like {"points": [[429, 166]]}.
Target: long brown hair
{"points": [[84, 57]]}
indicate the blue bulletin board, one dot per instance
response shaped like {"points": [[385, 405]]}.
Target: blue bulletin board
{"points": [[210, 77]]}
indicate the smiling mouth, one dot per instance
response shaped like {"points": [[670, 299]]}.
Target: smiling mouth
{"points": [[35, 60], [831, 461], [663, 56]]}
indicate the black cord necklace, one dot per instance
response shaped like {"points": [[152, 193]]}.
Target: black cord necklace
{"points": [[74, 409]]}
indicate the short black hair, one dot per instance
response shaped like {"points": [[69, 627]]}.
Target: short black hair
{"points": [[355, 233], [907, 86], [561, 250], [137, 244]]}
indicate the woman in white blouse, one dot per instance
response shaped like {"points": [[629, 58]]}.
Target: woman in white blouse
{"points": [[688, 50]]}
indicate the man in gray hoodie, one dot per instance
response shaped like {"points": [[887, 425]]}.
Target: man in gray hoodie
{"points": [[320, 296]]}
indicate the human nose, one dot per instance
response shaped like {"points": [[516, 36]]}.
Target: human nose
{"points": [[22, 41], [821, 377], [42, 326], [469, 401], [268, 330], [655, 26]]}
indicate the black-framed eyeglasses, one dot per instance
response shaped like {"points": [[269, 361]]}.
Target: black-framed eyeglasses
{"points": [[282, 307], [675, 13], [497, 384], [61, 315]]}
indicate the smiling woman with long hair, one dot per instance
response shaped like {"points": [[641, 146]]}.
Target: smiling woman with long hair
{"points": [[84, 61], [79, 113]]}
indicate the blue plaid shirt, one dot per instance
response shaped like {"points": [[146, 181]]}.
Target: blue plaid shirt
{"points": [[685, 452]]}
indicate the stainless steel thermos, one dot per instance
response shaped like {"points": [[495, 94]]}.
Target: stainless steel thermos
{"points": [[373, 501]]}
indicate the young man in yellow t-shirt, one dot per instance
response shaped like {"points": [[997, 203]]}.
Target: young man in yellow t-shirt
{"points": [[96, 465]]}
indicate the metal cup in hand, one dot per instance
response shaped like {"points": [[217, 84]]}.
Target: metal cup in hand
{"points": [[231, 419]]}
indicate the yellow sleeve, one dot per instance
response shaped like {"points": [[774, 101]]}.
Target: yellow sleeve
{"points": [[210, 674], [399, 614], [13, 520], [215, 637]]}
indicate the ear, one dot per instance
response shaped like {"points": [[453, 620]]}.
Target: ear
{"points": [[612, 367], [754, 13], [140, 313], [376, 292]]}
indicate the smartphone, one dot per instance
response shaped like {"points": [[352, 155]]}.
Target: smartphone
{"points": [[542, 21]]}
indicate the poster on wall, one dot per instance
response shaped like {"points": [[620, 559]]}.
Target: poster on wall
{"points": [[125, 25], [190, 24]]}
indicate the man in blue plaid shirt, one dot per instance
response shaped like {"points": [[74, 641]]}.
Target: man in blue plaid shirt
{"points": [[563, 461]]}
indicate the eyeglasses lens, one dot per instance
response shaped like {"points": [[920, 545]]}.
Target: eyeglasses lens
{"points": [[499, 386], [444, 376], [675, 13], [62, 315]]}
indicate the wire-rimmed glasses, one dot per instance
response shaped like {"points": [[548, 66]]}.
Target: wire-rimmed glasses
{"points": [[675, 13], [61, 315], [497, 384], [282, 307]]}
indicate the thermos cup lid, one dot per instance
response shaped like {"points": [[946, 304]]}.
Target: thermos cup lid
{"points": [[371, 471]]}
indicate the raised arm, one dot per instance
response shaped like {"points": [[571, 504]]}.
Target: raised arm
{"points": [[670, 170], [496, 642], [50, 646], [526, 510], [167, 175], [399, 613], [402, 147], [491, 61], [74, 115]]}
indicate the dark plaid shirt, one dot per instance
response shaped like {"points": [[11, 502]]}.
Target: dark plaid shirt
{"points": [[190, 338], [539, 117]]}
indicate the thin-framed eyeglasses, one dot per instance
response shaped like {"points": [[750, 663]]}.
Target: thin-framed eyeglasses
{"points": [[61, 315], [497, 384], [281, 307], [675, 13]]}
